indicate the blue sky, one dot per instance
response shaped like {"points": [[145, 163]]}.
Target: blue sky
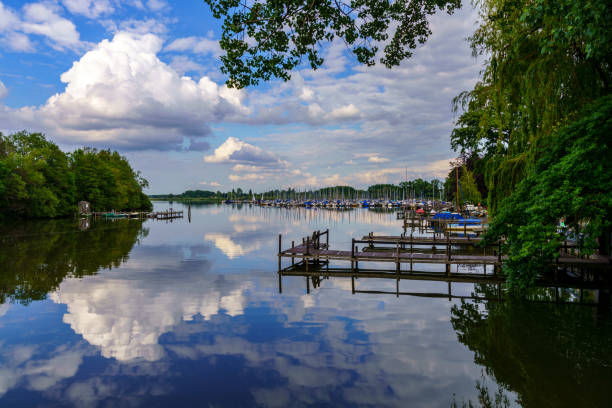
{"points": [[142, 77]]}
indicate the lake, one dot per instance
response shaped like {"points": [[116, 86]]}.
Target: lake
{"points": [[188, 313]]}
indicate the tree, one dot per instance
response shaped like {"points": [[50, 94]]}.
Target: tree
{"points": [[545, 62], [267, 39], [571, 181], [38, 180]]}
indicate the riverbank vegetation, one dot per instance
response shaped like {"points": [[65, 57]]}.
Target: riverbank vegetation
{"points": [[38, 180], [419, 189]]}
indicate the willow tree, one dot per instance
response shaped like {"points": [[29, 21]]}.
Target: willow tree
{"points": [[545, 62], [541, 107]]}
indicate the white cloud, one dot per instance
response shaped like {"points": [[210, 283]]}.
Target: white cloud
{"points": [[8, 18], [3, 90], [146, 26], [210, 183], [234, 150], [198, 45], [43, 19], [121, 94], [89, 8], [344, 112], [182, 64], [248, 177], [10, 24], [377, 159], [156, 5]]}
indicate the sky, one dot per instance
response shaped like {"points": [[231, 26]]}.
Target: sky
{"points": [[142, 77]]}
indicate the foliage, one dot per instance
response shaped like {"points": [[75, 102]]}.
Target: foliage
{"points": [[38, 180], [541, 152], [471, 179], [468, 187], [572, 180], [546, 61], [266, 39], [107, 181]]}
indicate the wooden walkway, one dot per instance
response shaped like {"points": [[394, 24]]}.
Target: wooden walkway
{"points": [[311, 250]]}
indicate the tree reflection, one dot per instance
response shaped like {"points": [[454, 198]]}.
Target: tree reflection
{"points": [[551, 355], [36, 256]]}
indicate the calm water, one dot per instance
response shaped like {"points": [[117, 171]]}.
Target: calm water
{"points": [[132, 313]]}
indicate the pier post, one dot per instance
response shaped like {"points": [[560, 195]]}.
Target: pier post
{"points": [[292, 254], [353, 284], [280, 282], [307, 285], [353, 255], [411, 244], [397, 257], [280, 250], [448, 254]]}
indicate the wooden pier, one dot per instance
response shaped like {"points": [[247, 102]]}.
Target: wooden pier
{"points": [[166, 215], [402, 251], [159, 215]]}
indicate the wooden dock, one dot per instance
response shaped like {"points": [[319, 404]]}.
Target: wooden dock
{"points": [[159, 215], [166, 215], [312, 251]]}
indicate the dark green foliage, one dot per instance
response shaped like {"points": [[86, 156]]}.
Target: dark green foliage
{"points": [[543, 157], [571, 181], [107, 181], [546, 60], [38, 180], [283, 33]]}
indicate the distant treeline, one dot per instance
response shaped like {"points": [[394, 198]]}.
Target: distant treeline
{"points": [[418, 188], [38, 180]]}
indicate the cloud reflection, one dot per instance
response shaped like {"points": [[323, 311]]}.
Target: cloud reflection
{"points": [[124, 312]]}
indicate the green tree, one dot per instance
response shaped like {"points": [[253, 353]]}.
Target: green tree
{"points": [[572, 180], [267, 39]]}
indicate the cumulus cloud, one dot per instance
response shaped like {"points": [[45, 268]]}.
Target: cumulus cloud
{"points": [[234, 150], [121, 94]]}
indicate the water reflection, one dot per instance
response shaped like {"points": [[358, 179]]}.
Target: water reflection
{"points": [[125, 312], [551, 355], [184, 314], [37, 256]]}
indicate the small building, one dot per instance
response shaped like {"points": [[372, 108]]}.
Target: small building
{"points": [[84, 207]]}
